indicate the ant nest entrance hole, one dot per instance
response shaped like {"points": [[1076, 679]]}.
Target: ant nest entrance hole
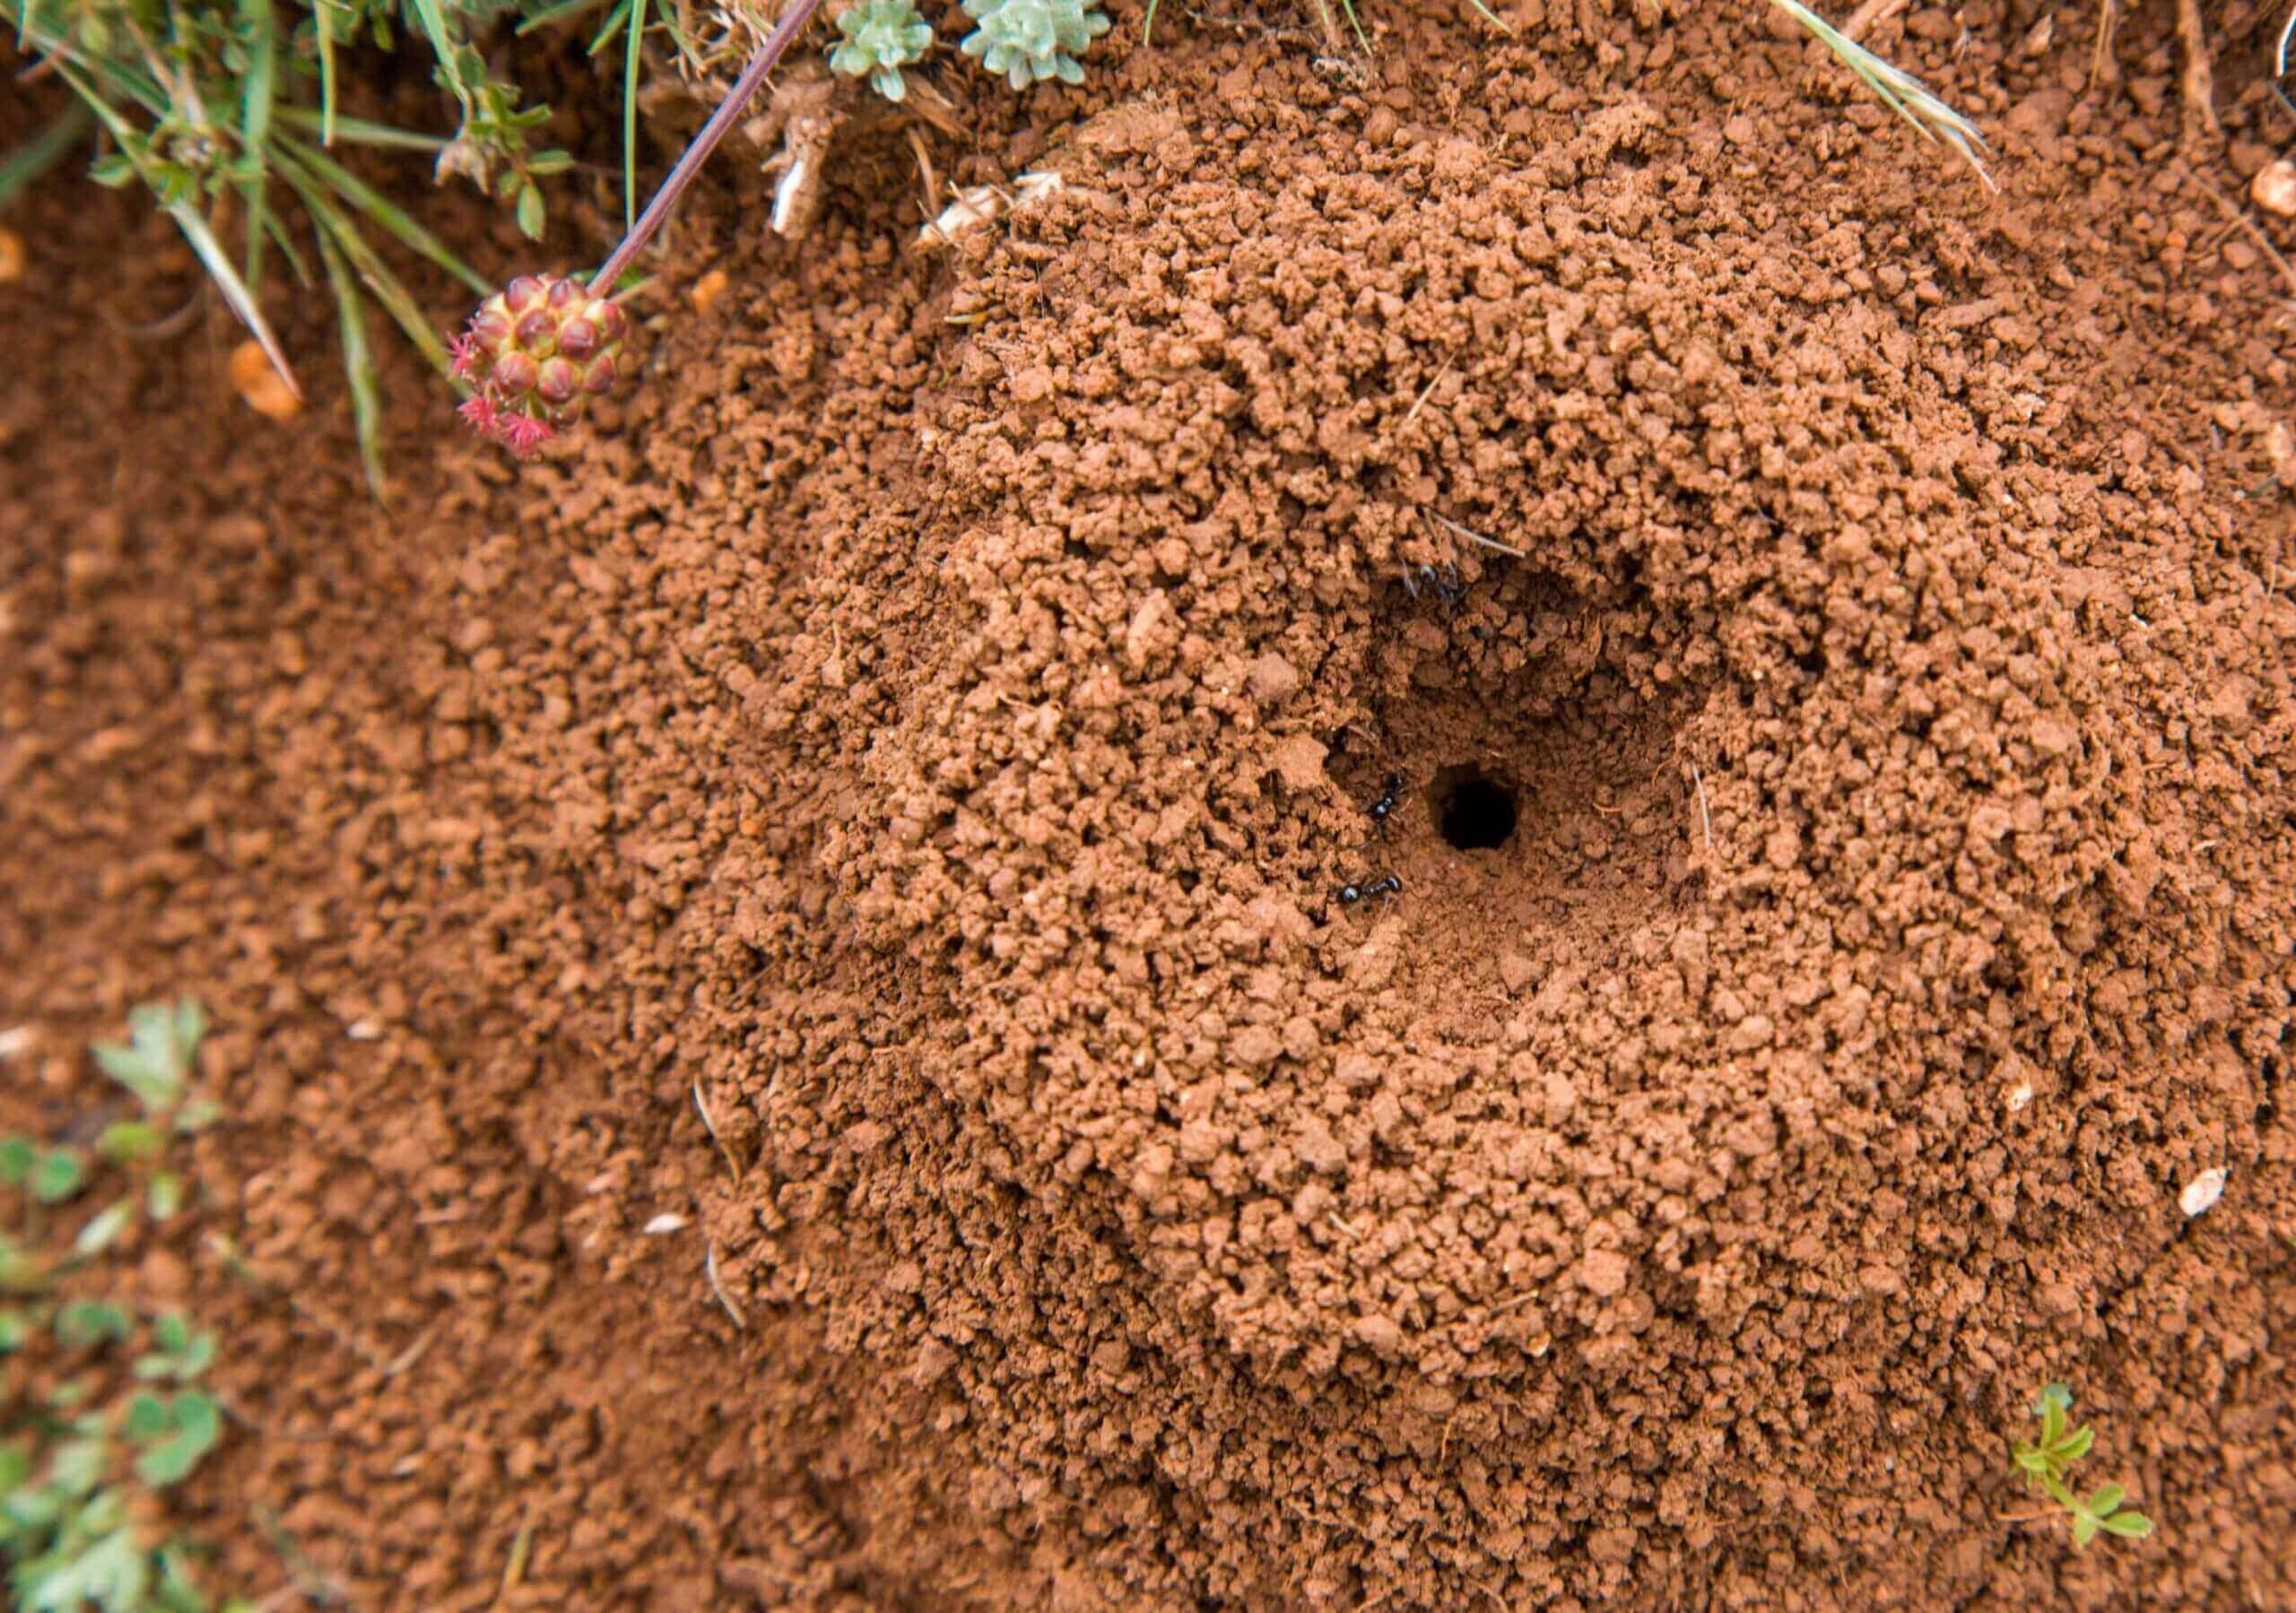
{"points": [[1544, 807], [1472, 810]]}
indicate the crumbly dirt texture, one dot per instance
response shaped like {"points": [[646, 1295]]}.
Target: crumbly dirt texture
{"points": [[926, 728]]}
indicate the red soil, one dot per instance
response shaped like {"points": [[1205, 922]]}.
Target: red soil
{"points": [[928, 723]]}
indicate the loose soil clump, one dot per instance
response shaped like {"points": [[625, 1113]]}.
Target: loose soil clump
{"points": [[1830, 628]]}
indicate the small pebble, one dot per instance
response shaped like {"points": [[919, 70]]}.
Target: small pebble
{"points": [[11, 256], [2274, 189], [706, 290], [264, 388], [666, 1223], [2203, 1191]]}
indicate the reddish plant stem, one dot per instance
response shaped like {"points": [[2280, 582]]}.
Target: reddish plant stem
{"points": [[721, 123]]}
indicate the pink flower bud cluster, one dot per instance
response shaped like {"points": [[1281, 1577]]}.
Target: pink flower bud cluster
{"points": [[534, 356]]}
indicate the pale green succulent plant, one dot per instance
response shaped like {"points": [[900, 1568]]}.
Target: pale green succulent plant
{"points": [[881, 37], [1030, 41]]}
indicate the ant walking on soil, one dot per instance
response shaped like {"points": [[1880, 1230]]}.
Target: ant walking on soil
{"points": [[1444, 580], [1349, 895], [1385, 807], [1380, 810]]}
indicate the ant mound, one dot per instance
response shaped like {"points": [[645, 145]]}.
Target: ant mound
{"points": [[1842, 834]]}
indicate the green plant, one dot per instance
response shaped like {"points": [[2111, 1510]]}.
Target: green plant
{"points": [[2049, 1460], [494, 411], [229, 113], [154, 1065], [1031, 40], [76, 1483], [84, 1466], [881, 38]]}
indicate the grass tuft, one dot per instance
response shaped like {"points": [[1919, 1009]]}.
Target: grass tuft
{"points": [[230, 112]]}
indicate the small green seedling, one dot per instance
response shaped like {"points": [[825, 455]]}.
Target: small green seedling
{"points": [[155, 1066], [881, 37], [1031, 40], [69, 1508], [2048, 1461], [162, 1040]]}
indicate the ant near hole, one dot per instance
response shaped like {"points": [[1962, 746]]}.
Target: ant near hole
{"points": [[1349, 895], [1390, 798], [1444, 580]]}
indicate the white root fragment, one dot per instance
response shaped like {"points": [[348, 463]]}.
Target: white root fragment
{"points": [[794, 187], [984, 204], [710, 1267]]}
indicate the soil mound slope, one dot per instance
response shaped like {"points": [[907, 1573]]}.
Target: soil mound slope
{"points": [[1894, 914]]}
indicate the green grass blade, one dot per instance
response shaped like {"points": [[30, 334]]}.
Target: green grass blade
{"points": [[611, 26], [259, 216], [679, 37], [117, 76], [375, 274], [432, 17], [31, 160], [357, 364], [357, 131], [386, 213], [1932, 118], [235, 290], [196, 231], [258, 91], [563, 11], [630, 55], [322, 13], [279, 238], [258, 86]]}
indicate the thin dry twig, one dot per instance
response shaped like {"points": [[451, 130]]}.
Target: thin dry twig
{"points": [[415, 1351], [926, 171], [514, 1571], [1427, 391], [1471, 536], [1705, 818], [2101, 54], [1871, 15], [2199, 83], [710, 1125], [2232, 212]]}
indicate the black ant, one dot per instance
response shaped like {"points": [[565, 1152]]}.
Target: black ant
{"points": [[1385, 807], [1349, 895], [1445, 581]]}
